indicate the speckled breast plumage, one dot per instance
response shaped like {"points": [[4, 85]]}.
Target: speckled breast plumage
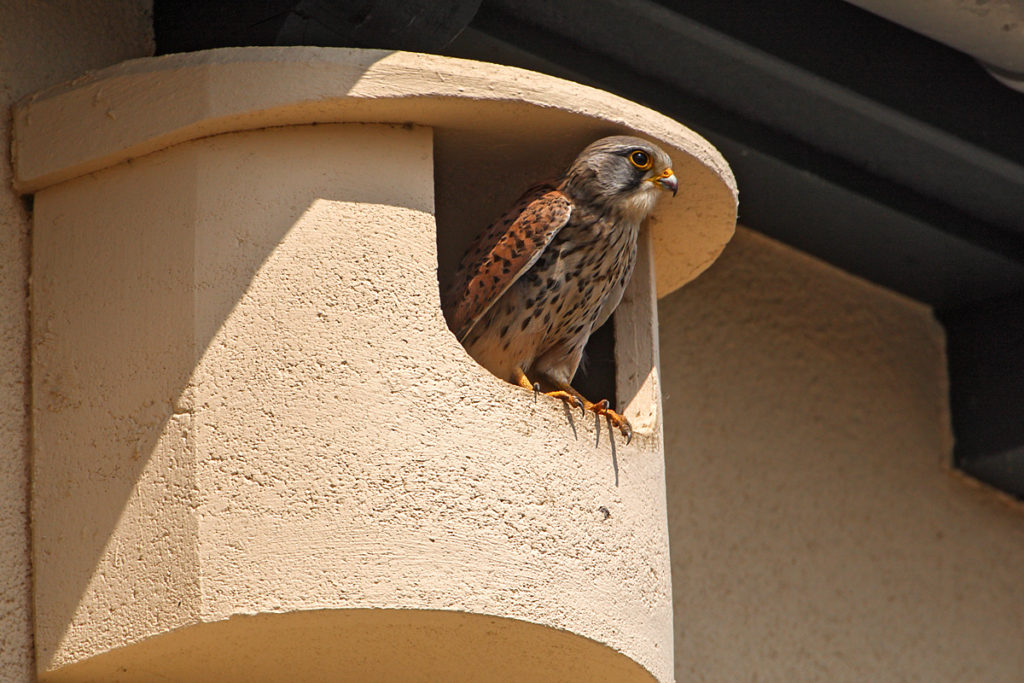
{"points": [[542, 322]]}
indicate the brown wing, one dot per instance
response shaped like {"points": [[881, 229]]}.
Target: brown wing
{"points": [[503, 253]]}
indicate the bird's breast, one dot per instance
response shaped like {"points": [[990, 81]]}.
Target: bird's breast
{"points": [[585, 266], [556, 304]]}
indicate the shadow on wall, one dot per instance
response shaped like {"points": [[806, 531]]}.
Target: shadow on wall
{"points": [[392, 645]]}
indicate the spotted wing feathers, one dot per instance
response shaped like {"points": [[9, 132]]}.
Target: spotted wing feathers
{"points": [[503, 253]]}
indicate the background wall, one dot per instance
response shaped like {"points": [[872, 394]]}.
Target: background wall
{"points": [[41, 43], [817, 529]]}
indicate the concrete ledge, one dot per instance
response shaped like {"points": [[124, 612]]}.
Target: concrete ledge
{"points": [[360, 645], [141, 106]]}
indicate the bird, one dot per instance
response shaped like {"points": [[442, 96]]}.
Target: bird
{"points": [[535, 284]]}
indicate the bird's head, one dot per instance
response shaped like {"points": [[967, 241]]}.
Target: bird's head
{"points": [[625, 171]]}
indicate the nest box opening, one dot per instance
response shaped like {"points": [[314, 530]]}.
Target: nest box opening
{"points": [[478, 175]]}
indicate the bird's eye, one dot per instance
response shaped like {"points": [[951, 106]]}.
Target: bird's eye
{"points": [[640, 159]]}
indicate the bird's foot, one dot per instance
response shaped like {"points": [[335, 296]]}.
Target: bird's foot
{"points": [[602, 407], [574, 399], [570, 400]]}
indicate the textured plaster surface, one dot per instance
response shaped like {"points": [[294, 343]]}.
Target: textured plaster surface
{"points": [[500, 117], [818, 531], [91, 36], [361, 645], [247, 401]]}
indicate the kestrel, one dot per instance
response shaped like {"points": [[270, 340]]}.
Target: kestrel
{"points": [[534, 286]]}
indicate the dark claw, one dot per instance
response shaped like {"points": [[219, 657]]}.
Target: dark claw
{"points": [[568, 416], [579, 402], [597, 429], [611, 442], [629, 433], [536, 390]]}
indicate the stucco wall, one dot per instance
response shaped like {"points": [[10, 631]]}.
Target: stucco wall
{"points": [[817, 530], [90, 35]]}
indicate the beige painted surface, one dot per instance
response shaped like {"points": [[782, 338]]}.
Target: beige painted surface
{"points": [[247, 402], [91, 36], [362, 645], [818, 532], [500, 118]]}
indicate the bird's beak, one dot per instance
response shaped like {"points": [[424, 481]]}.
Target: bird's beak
{"points": [[667, 181]]}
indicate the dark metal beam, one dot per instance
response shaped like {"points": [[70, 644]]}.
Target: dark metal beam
{"points": [[416, 25], [985, 347]]}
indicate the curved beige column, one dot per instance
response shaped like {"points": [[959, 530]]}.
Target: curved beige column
{"points": [[246, 400]]}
